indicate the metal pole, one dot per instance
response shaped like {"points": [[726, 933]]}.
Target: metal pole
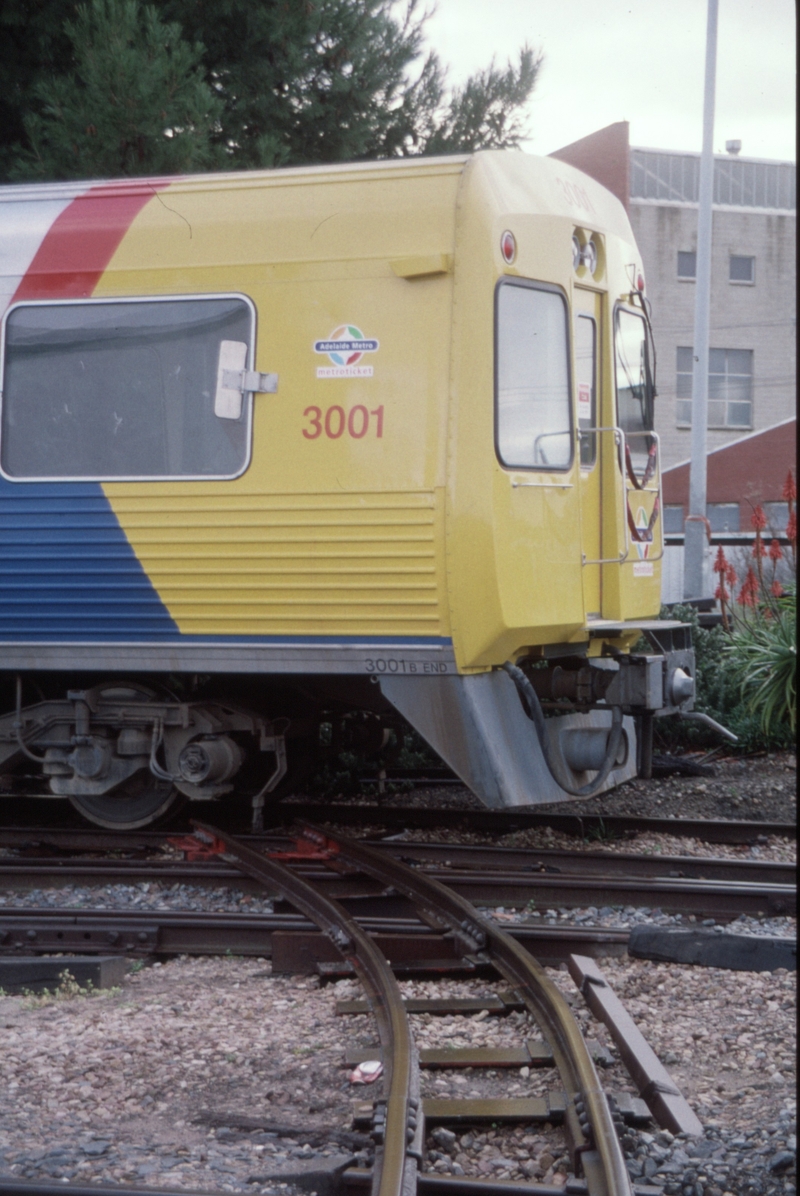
{"points": [[694, 547]]}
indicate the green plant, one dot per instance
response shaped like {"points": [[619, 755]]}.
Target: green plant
{"points": [[136, 966], [763, 652], [600, 834], [68, 987], [722, 677]]}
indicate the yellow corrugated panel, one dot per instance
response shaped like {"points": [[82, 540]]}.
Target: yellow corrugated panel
{"points": [[258, 564]]}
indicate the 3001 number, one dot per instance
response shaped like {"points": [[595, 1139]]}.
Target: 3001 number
{"points": [[335, 422]]}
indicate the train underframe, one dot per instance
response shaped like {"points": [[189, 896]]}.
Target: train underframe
{"points": [[129, 752]]}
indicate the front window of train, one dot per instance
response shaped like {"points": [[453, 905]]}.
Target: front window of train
{"points": [[635, 390], [533, 414]]}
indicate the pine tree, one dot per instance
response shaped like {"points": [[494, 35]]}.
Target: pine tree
{"points": [[337, 80], [135, 101], [184, 84]]}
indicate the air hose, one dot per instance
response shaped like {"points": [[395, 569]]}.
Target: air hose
{"points": [[533, 709]]}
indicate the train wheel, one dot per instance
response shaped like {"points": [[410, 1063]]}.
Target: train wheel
{"points": [[142, 800]]}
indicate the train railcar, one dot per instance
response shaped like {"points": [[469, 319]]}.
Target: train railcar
{"points": [[338, 443]]}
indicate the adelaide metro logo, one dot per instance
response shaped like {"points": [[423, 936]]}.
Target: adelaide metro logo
{"points": [[344, 348]]}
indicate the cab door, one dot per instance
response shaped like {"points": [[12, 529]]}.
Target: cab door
{"points": [[588, 340]]}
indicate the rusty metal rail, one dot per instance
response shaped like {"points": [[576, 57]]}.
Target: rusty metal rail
{"points": [[572, 886], [594, 1145], [166, 933], [490, 822], [395, 1129], [38, 856]]}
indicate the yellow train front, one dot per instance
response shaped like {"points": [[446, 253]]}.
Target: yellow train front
{"points": [[331, 444]]}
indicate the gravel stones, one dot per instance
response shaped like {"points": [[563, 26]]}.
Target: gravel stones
{"points": [[145, 895], [119, 1086], [114, 1087], [760, 787], [111, 1087]]}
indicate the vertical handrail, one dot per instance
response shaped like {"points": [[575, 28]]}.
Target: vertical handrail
{"points": [[619, 441]]}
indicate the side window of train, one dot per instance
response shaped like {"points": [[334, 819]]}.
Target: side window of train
{"points": [[115, 389], [634, 381], [586, 383], [533, 424]]}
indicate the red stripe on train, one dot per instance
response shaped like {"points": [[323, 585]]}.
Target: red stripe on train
{"points": [[81, 241]]}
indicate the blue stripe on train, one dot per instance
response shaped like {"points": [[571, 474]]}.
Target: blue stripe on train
{"points": [[68, 573], [67, 570]]}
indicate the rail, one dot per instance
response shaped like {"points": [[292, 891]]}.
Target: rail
{"points": [[395, 1130], [492, 822], [594, 1145]]}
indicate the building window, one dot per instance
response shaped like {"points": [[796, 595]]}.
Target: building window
{"points": [[742, 269], [723, 516], [777, 514], [687, 264], [673, 519], [730, 388]]}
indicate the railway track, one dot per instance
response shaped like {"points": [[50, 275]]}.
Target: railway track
{"points": [[398, 1117], [495, 823], [720, 889], [398, 910]]}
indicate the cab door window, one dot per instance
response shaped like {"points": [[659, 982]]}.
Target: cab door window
{"points": [[533, 425], [586, 383]]}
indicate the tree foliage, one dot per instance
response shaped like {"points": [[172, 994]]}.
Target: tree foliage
{"points": [[124, 88], [135, 101]]}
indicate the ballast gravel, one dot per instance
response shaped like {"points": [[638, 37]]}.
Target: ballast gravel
{"points": [[153, 1083], [761, 788], [214, 1074]]}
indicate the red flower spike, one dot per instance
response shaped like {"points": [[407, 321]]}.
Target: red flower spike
{"points": [[791, 528], [730, 575], [758, 519], [777, 589], [721, 562], [789, 491], [758, 548], [749, 590], [775, 551]]}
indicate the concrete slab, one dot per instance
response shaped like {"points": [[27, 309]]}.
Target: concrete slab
{"points": [[740, 952], [35, 973], [321, 1174]]}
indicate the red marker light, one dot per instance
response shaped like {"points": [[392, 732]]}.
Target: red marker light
{"points": [[640, 283], [508, 247]]}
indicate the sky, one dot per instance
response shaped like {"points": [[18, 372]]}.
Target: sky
{"points": [[636, 60]]}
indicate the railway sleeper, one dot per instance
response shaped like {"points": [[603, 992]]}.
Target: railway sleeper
{"points": [[591, 1130], [508, 1110]]}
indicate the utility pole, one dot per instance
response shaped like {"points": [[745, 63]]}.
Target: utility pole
{"points": [[694, 543]]}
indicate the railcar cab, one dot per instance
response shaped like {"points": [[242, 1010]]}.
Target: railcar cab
{"points": [[566, 476]]}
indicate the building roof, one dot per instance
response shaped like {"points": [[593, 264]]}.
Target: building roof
{"points": [[752, 469], [671, 177]]}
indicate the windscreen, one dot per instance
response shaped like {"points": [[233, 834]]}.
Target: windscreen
{"points": [[534, 427], [634, 383]]}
